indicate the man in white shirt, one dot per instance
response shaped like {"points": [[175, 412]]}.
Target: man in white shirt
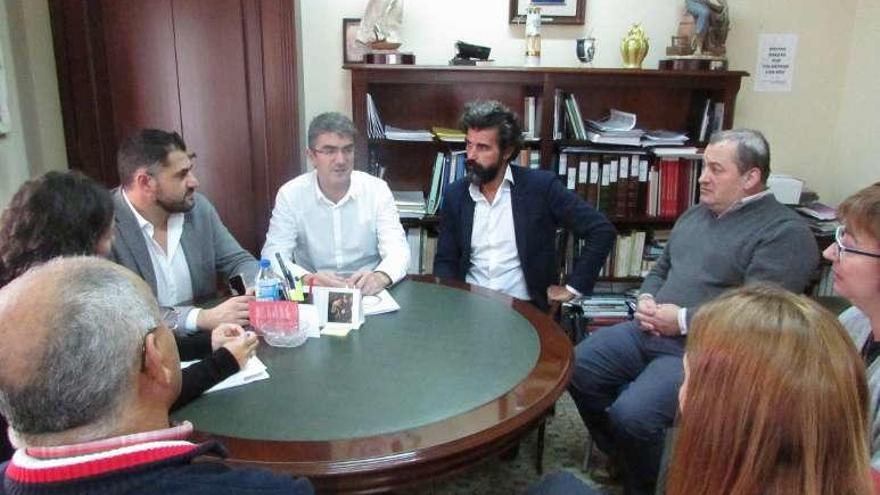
{"points": [[340, 227], [499, 223], [172, 236]]}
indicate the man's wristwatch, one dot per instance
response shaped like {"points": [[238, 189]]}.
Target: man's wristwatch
{"points": [[171, 317]]}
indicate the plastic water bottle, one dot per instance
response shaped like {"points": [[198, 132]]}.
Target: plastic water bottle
{"points": [[268, 283]]}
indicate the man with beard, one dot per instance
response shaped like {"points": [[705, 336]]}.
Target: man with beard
{"points": [[171, 235], [498, 224], [339, 225]]}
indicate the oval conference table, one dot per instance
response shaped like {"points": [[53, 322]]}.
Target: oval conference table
{"points": [[458, 373]]}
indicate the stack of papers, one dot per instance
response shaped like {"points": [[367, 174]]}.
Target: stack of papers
{"points": [[448, 135], [664, 138], [680, 152], [253, 371], [410, 204], [397, 134], [821, 218], [618, 128], [818, 210], [605, 305], [375, 129], [617, 120]]}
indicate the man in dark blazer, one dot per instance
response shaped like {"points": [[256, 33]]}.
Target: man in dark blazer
{"points": [[172, 236], [498, 224]]}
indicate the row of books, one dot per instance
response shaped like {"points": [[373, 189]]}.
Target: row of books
{"points": [[421, 251], [617, 128], [631, 183], [448, 167], [633, 255]]}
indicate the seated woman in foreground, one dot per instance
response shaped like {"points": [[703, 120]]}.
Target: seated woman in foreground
{"points": [[855, 258], [774, 401], [68, 214]]}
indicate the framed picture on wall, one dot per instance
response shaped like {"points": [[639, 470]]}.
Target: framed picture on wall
{"points": [[352, 50], [552, 11]]}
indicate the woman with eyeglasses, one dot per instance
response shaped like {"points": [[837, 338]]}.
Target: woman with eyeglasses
{"points": [[855, 258], [69, 214]]}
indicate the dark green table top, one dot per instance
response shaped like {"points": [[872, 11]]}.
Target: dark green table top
{"points": [[447, 351]]}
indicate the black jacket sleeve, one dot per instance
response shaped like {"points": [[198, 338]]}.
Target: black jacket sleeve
{"points": [[205, 374], [447, 259], [195, 346], [587, 223]]}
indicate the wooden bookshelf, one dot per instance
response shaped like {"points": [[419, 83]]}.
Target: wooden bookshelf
{"points": [[421, 97]]}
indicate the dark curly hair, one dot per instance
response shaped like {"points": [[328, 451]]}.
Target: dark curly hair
{"points": [[56, 214], [491, 114]]}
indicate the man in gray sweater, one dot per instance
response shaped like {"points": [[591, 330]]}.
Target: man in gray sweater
{"points": [[626, 379]]}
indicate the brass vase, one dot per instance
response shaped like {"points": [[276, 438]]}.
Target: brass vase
{"points": [[634, 47]]}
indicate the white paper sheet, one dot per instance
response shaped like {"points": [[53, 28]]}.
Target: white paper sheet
{"points": [[380, 303]]}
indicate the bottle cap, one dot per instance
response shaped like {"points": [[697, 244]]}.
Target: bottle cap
{"points": [[264, 263]]}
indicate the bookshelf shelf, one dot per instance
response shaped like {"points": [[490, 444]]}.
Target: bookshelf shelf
{"points": [[426, 221], [423, 97]]}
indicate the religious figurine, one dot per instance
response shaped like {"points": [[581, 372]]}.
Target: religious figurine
{"points": [[711, 24]]}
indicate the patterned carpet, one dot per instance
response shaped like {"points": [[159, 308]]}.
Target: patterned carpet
{"points": [[564, 444]]}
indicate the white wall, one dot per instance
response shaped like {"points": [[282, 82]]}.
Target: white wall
{"points": [[824, 130], [826, 104], [35, 142], [855, 155]]}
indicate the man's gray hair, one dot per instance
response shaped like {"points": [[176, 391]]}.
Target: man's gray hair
{"points": [[93, 349], [333, 122], [752, 149]]}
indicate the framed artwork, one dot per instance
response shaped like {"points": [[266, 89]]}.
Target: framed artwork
{"points": [[352, 50], [552, 11]]}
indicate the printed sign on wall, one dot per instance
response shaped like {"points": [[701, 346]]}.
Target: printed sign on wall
{"points": [[775, 62]]}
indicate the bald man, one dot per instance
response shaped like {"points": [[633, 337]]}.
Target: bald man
{"points": [[88, 371]]}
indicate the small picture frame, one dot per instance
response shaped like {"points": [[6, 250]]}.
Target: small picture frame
{"points": [[552, 11], [352, 50], [339, 309]]}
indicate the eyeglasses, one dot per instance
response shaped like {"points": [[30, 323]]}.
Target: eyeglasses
{"points": [[329, 151], [839, 235]]}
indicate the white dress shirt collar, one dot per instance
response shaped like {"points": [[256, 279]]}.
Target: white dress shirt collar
{"points": [[744, 201], [506, 183], [352, 193]]}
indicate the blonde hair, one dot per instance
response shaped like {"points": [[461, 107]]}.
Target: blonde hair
{"points": [[776, 401]]}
